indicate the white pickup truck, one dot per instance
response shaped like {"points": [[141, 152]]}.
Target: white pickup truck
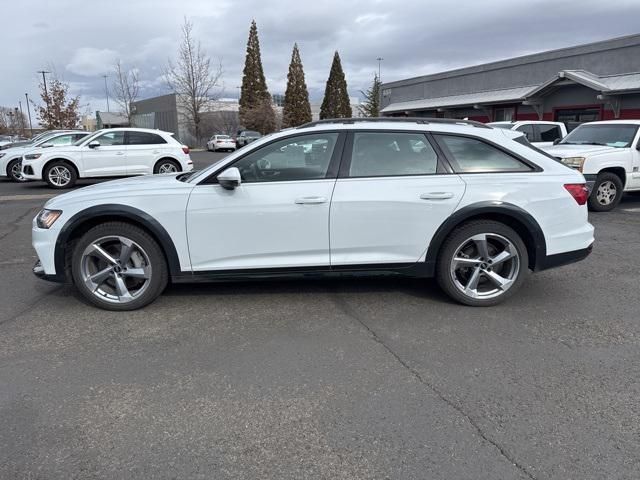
{"points": [[608, 155], [539, 133]]}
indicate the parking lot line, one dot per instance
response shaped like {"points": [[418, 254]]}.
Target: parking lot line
{"points": [[15, 198]]}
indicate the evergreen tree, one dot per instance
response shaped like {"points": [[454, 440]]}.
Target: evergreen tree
{"points": [[371, 105], [296, 110], [336, 98], [254, 92]]}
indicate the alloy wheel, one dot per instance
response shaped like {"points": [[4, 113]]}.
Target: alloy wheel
{"points": [[606, 193], [115, 269], [16, 172], [59, 175], [167, 168], [485, 266]]}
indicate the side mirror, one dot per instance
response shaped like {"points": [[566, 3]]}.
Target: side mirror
{"points": [[230, 178], [557, 141], [94, 144], [638, 146]]}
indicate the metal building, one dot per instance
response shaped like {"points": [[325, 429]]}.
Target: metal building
{"points": [[596, 81]]}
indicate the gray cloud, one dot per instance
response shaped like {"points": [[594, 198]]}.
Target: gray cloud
{"points": [[414, 37]]}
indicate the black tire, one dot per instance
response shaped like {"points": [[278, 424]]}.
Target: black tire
{"points": [[63, 180], [603, 197], [13, 173], [164, 163], [450, 280], [158, 272]]}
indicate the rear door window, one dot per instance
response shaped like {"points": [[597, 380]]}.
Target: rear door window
{"points": [[528, 132], [472, 155], [382, 154], [144, 138], [548, 133]]}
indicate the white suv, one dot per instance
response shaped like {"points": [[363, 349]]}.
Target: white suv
{"points": [[452, 199], [112, 152], [608, 154]]}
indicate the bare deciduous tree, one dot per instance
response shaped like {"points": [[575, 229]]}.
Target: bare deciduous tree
{"points": [[60, 109], [192, 78], [126, 87], [223, 121]]}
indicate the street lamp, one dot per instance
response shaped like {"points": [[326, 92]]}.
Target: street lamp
{"points": [[379, 59], [106, 90]]}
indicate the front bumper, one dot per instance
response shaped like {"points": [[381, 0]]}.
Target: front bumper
{"points": [[591, 180], [38, 271]]}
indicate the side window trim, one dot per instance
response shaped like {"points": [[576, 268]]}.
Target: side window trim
{"points": [[534, 168], [442, 167], [334, 162]]}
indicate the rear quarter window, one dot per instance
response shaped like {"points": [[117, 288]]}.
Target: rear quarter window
{"points": [[472, 155]]}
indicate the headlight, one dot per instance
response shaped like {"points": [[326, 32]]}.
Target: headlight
{"points": [[46, 218], [574, 162], [32, 156]]}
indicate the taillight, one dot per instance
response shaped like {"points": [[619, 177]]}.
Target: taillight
{"points": [[185, 149], [578, 191]]}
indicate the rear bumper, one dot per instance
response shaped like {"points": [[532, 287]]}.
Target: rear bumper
{"points": [[565, 258]]}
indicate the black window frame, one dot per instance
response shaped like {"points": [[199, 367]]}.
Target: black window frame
{"points": [[442, 167], [332, 170], [129, 132], [452, 162]]}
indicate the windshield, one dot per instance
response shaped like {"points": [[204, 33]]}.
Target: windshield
{"points": [[223, 137], [88, 138], [610, 135]]}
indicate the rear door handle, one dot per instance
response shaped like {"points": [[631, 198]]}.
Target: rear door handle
{"points": [[310, 200], [436, 196]]}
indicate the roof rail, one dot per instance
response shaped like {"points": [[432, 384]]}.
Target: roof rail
{"points": [[418, 120]]}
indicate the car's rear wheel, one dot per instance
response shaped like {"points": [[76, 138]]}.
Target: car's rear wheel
{"points": [[166, 166], [482, 263], [14, 171], [117, 266], [60, 175], [607, 192]]}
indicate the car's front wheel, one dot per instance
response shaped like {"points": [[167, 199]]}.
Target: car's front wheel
{"points": [[117, 266], [607, 192], [14, 171], [60, 175], [482, 263]]}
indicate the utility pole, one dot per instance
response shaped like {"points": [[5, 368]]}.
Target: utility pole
{"points": [[26, 95], [44, 80], [379, 59], [21, 118], [106, 90]]}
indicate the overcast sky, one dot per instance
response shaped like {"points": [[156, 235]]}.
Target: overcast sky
{"points": [[82, 39]]}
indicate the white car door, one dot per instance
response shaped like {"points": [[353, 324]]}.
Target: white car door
{"points": [[391, 196], [144, 149], [277, 218], [108, 159]]}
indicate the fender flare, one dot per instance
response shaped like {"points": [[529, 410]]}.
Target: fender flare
{"points": [[115, 211], [488, 208]]}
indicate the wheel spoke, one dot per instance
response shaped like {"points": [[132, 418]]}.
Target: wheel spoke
{"points": [[506, 254], [126, 249], [97, 249], [142, 272], [461, 262], [471, 288], [121, 288], [498, 280], [101, 276], [481, 245]]}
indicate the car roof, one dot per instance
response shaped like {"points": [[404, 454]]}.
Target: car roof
{"points": [[605, 122]]}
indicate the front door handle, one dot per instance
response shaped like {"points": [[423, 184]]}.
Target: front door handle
{"points": [[310, 200], [119, 153], [436, 196]]}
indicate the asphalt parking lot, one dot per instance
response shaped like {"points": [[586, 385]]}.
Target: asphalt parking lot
{"points": [[356, 378]]}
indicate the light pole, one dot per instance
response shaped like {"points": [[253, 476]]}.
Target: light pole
{"points": [[21, 118], [44, 81], [379, 59], [26, 95], [106, 90]]}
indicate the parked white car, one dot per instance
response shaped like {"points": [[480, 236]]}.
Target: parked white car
{"points": [[608, 155], [115, 152], [11, 158], [451, 199], [539, 133], [221, 143]]}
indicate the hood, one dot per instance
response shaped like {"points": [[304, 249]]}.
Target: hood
{"points": [[116, 191], [16, 150], [564, 151]]}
